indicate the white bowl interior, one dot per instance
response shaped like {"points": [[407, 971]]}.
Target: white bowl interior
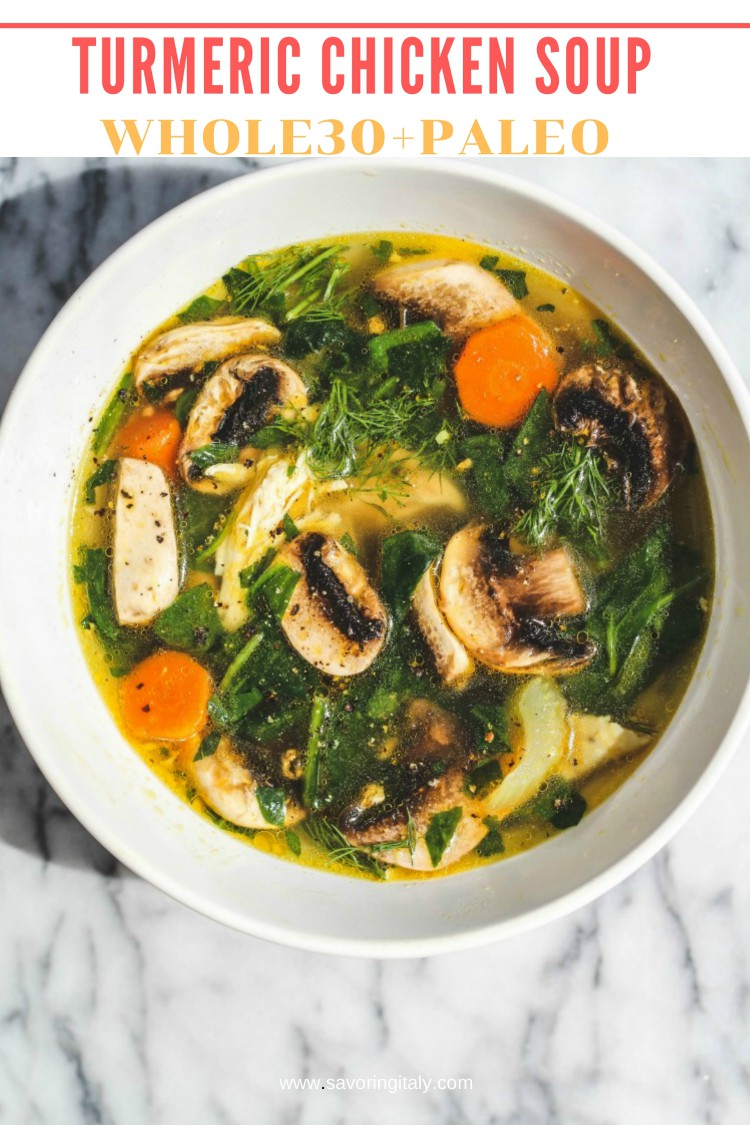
{"points": [[46, 680]]}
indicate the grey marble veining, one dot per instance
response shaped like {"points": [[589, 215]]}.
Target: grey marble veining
{"points": [[120, 1006]]}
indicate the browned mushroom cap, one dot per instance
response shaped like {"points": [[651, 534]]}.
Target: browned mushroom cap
{"points": [[460, 296], [431, 740], [631, 420], [243, 394], [186, 350], [228, 784], [505, 608], [334, 619]]}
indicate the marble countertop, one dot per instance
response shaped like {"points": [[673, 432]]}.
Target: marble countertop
{"points": [[120, 1006]]}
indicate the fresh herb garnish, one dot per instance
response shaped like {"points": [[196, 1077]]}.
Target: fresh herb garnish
{"points": [[332, 841], [102, 474], [559, 803], [208, 746], [492, 843], [312, 762], [289, 527], [513, 280], [483, 778], [227, 825], [293, 282], [571, 495], [382, 250], [216, 453], [608, 342], [121, 645], [441, 830], [277, 585], [118, 407], [406, 557], [185, 404], [202, 308], [272, 804], [191, 622]]}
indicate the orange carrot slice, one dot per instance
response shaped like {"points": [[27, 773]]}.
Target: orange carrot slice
{"points": [[502, 369], [166, 697], [152, 435]]}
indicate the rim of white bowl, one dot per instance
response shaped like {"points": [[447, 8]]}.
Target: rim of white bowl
{"points": [[473, 936]]}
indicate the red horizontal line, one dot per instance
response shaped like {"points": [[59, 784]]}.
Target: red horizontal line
{"points": [[372, 26]]}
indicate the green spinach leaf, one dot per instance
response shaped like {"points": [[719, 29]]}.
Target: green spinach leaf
{"points": [[191, 622], [441, 830], [272, 804], [406, 557]]}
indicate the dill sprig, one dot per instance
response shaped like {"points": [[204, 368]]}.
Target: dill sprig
{"points": [[348, 435], [571, 496], [334, 843], [369, 443], [305, 280]]}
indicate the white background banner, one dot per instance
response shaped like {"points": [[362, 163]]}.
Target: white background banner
{"points": [[675, 83]]}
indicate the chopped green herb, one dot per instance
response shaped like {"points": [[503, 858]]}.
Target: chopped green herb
{"points": [[441, 830], [277, 585], [382, 250], [231, 708], [119, 406], [483, 778], [608, 342], [122, 645], [289, 526], [492, 843], [202, 308], [571, 497], [406, 557], [217, 453], [272, 804], [293, 842], [191, 622], [332, 841], [312, 762], [416, 354], [227, 825], [208, 746], [103, 474], [291, 283], [559, 803], [185, 404], [513, 280]]}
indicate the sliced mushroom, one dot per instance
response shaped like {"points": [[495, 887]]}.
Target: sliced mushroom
{"points": [[460, 296], [597, 740], [431, 740], [227, 784], [185, 350], [243, 395], [334, 619], [505, 607], [631, 420], [146, 573], [452, 661]]}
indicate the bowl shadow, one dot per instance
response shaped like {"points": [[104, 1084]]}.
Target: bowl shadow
{"points": [[52, 237]]}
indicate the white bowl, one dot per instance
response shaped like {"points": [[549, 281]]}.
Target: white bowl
{"points": [[47, 683]]}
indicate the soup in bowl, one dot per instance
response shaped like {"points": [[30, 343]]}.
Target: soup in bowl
{"points": [[426, 564], [391, 555]]}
